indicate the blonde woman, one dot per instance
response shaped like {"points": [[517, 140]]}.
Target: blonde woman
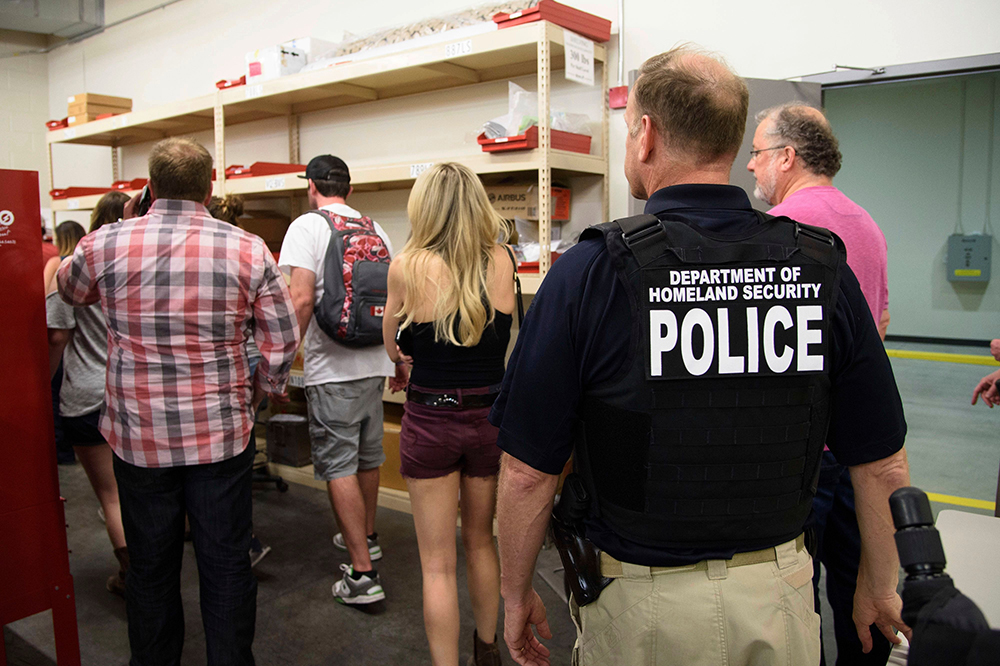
{"points": [[451, 297]]}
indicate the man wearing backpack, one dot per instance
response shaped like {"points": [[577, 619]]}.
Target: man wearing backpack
{"points": [[337, 259]]}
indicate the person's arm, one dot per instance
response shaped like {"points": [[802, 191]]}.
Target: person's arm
{"points": [[75, 277], [49, 274], [987, 388], [524, 507], [303, 290], [883, 324], [276, 333], [390, 326], [876, 601], [58, 339]]}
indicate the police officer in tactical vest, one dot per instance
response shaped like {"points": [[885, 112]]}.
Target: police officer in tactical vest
{"points": [[693, 361]]}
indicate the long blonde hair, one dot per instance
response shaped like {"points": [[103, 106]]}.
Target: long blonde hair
{"points": [[452, 219]]}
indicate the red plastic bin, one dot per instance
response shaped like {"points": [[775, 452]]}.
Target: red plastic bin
{"points": [[590, 26], [577, 143]]}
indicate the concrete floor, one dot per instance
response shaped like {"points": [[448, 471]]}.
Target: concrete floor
{"points": [[952, 449], [297, 620]]}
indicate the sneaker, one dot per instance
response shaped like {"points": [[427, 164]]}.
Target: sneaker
{"points": [[365, 590], [257, 550], [374, 550]]}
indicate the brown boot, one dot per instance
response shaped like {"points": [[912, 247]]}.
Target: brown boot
{"points": [[484, 654], [116, 584]]}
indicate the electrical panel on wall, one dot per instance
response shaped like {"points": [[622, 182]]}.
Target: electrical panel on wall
{"points": [[969, 257]]}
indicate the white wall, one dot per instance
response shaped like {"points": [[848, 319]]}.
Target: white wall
{"points": [[180, 51], [24, 106]]}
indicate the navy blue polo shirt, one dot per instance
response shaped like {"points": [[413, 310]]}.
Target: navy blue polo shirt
{"points": [[577, 331]]}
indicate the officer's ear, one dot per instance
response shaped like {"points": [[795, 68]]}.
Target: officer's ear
{"points": [[649, 137]]}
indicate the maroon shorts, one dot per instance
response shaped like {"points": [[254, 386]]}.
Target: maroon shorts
{"points": [[436, 441]]}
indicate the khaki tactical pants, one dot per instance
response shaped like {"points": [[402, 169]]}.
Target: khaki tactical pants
{"points": [[754, 609]]}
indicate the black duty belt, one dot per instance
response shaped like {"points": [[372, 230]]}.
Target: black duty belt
{"points": [[456, 400]]}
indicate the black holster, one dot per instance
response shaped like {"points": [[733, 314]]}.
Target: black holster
{"points": [[581, 559]]}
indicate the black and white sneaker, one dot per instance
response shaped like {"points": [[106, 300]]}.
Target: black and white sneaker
{"points": [[365, 590], [374, 550]]}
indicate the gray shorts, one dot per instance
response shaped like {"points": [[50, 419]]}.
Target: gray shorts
{"points": [[345, 427]]}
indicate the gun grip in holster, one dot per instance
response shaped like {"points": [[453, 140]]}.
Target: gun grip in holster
{"points": [[581, 559]]}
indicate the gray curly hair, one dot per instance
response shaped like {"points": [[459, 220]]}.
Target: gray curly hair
{"points": [[801, 127]]}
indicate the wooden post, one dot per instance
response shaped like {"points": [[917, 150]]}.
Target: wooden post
{"points": [[544, 150]]}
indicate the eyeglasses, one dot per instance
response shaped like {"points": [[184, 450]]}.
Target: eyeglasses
{"points": [[754, 153]]}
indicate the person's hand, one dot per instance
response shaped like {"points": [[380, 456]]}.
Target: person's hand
{"points": [[987, 388], [129, 211], [279, 399], [882, 610], [408, 360], [995, 349], [519, 617], [402, 378]]}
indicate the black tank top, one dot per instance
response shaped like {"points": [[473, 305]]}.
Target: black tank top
{"points": [[440, 364]]}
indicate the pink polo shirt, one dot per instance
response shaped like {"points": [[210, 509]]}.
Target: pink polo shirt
{"points": [[828, 207]]}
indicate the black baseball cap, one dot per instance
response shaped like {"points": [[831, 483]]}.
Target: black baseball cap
{"points": [[327, 167]]}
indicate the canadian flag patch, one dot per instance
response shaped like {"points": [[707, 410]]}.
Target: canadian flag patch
{"points": [[378, 310]]}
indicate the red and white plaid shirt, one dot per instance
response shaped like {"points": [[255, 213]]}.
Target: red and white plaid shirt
{"points": [[182, 292]]}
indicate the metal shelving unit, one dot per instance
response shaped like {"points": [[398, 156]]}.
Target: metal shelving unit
{"points": [[503, 54]]}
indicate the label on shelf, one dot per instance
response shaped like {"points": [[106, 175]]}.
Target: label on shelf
{"points": [[69, 133], [254, 91], [120, 121], [417, 169], [298, 381], [277, 183], [579, 58], [458, 49], [73, 204]]}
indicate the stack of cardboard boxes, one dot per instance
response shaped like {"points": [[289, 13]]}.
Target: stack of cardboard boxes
{"points": [[86, 107]]}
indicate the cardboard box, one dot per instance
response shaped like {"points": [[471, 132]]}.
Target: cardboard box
{"points": [[81, 119], [522, 201], [273, 62], [80, 108], [123, 103], [269, 225]]}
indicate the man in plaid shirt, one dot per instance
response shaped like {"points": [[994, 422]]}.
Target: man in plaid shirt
{"points": [[182, 292]]}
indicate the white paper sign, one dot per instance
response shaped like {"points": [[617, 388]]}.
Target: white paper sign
{"points": [[254, 91], [458, 49], [275, 183], [73, 204], [579, 58], [297, 381], [120, 121], [417, 169], [69, 133]]}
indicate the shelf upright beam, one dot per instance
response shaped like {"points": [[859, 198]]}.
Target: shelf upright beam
{"points": [[220, 144], [293, 138], [116, 169], [52, 176], [544, 149], [605, 143]]}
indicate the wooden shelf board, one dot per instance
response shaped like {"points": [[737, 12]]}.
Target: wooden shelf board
{"points": [[397, 176], [502, 54], [183, 117], [88, 202]]}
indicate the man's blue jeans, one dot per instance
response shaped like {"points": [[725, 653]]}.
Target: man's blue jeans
{"points": [[217, 499], [838, 546]]}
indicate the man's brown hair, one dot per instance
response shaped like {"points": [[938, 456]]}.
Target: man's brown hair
{"points": [[180, 169], [806, 129], [695, 101]]}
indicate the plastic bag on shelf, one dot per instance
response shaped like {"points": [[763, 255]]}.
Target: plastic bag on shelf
{"points": [[522, 113]]}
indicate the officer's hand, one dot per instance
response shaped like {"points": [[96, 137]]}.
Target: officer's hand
{"points": [[882, 611], [517, 622], [987, 388]]}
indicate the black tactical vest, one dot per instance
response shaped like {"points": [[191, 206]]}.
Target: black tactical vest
{"points": [[712, 434]]}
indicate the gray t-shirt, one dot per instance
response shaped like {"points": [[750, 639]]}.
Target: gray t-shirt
{"points": [[85, 360]]}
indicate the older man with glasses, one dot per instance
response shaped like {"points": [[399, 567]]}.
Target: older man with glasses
{"points": [[794, 159]]}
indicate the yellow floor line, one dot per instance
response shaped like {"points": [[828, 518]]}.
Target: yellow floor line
{"points": [[971, 359], [962, 501]]}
